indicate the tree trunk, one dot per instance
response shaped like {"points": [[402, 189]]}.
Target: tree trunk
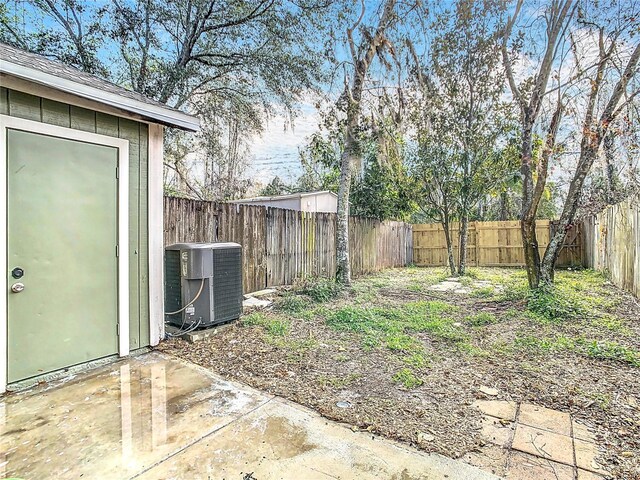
{"points": [[351, 155], [592, 138], [531, 252], [343, 265], [464, 236], [447, 237], [504, 205], [529, 207]]}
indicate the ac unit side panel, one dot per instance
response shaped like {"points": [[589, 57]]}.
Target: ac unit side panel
{"points": [[173, 288]]}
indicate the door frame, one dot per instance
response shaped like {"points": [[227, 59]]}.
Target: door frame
{"points": [[7, 122]]}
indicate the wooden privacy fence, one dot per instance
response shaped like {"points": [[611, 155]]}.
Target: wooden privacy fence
{"points": [[490, 244], [612, 244], [282, 245]]}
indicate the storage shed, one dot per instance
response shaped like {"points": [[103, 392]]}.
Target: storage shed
{"points": [[324, 201], [81, 207]]}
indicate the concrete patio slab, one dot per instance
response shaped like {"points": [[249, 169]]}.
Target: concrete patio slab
{"points": [[156, 417], [282, 441]]}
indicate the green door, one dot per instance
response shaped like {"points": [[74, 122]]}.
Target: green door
{"points": [[62, 234]]}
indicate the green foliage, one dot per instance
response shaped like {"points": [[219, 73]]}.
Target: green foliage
{"points": [[611, 351], [601, 350], [319, 289], [416, 360], [481, 319], [293, 304], [274, 326], [383, 192], [483, 292], [393, 324], [407, 378]]}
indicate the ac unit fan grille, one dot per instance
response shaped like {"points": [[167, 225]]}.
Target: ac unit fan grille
{"points": [[227, 283]]}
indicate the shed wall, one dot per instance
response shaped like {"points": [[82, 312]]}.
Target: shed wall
{"points": [[23, 105]]}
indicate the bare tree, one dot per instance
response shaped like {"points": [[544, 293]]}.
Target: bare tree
{"points": [[594, 131], [558, 15]]}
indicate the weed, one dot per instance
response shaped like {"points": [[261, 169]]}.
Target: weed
{"points": [[602, 350], [256, 318], [611, 323], [611, 351], [338, 382], [319, 289], [277, 327], [407, 378], [401, 342], [416, 360], [483, 292], [481, 319], [273, 325], [293, 304]]}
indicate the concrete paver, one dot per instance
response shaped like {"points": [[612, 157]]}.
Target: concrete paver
{"points": [[586, 454], [585, 475], [157, 417], [581, 432], [545, 418], [495, 432], [490, 458], [544, 444], [529, 467], [497, 408]]}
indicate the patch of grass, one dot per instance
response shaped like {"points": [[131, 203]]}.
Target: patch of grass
{"points": [[293, 304], [255, 318], [601, 350], [338, 382], [483, 292], [611, 323], [275, 326], [481, 319], [472, 273], [402, 342], [407, 378], [416, 360], [319, 289], [611, 351], [392, 326], [575, 296]]}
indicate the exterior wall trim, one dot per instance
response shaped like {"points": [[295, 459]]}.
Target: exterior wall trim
{"points": [[7, 122], [156, 231], [158, 113]]}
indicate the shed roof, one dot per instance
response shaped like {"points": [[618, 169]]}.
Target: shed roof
{"points": [[283, 197], [41, 70]]}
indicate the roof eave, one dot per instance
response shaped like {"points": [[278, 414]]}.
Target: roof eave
{"points": [[156, 113]]}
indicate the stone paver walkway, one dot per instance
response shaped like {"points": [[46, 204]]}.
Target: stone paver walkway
{"points": [[527, 441]]}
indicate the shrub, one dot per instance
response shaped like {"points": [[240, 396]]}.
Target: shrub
{"points": [[320, 289], [293, 303]]}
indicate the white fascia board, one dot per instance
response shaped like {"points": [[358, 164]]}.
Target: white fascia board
{"points": [[155, 112]]}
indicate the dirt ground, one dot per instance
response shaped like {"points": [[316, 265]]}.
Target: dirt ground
{"points": [[400, 356]]}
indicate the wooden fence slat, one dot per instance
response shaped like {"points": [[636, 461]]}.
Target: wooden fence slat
{"points": [[490, 244], [280, 246]]}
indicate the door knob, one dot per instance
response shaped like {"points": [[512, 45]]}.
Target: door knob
{"points": [[17, 287]]}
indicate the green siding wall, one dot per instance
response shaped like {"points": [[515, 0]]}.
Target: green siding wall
{"points": [[18, 104]]}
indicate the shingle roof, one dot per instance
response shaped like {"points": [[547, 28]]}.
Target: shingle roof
{"points": [[39, 69]]}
